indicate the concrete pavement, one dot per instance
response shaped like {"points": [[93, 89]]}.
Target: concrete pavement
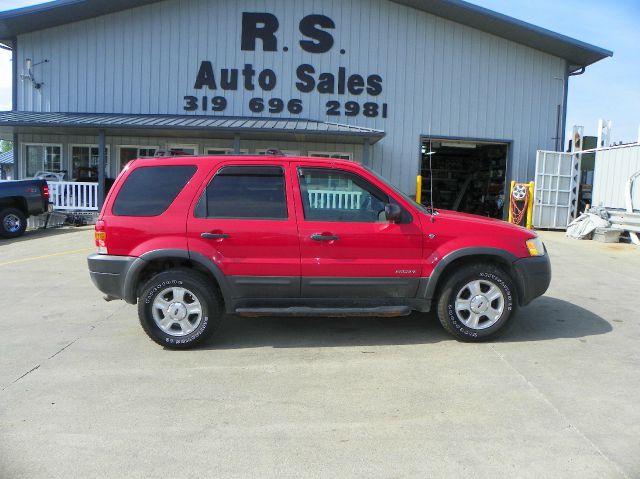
{"points": [[84, 393]]}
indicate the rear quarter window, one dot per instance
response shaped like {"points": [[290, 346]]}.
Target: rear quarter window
{"points": [[149, 191]]}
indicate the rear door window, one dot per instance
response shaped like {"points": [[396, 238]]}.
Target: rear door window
{"points": [[245, 192], [149, 191]]}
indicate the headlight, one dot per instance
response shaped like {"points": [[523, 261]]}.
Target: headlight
{"points": [[535, 246]]}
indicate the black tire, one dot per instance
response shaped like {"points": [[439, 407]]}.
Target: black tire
{"points": [[459, 286], [198, 289], [13, 223]]}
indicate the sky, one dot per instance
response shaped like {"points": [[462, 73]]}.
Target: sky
{"points": [[609, 89]]}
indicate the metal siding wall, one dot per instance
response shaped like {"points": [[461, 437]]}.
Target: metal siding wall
{"points": [[463, 82], [113, 142], [613, 168]]}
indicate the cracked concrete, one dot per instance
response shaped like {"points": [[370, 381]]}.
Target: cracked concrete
{"points": [[84, 393]]}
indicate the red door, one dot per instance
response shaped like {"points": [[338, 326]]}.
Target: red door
{"points": [[244, 221], [348, 249]]}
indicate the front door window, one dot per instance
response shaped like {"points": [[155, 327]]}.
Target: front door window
{"points": [[331, 154], [224, 151], [330, 195], [185, 149], [84, 162], [128, 153]]}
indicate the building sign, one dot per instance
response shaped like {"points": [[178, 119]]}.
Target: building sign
{"points": [[260, 29]]}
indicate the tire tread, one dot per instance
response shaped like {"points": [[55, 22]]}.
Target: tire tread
{"points": [[447, 291], [23, 222], [212, 297]]}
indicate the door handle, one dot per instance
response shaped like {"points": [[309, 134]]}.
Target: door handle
{"points": [[321, 237], [214, 235]]}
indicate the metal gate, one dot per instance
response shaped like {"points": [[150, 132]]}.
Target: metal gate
{"points": [[556, 191]]}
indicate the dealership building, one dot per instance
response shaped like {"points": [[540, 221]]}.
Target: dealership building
{"points": [[393, 84]]}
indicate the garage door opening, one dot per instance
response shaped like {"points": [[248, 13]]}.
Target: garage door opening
{"points": [[468, 176]]}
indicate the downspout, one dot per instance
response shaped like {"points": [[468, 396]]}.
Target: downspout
{"points": [[564, 107], [567, 74], [561, 120]]}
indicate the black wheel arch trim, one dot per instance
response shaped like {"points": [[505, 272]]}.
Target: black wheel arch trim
{"points": [[131, 280], [217, 273], [18, 203], [428, 288]]}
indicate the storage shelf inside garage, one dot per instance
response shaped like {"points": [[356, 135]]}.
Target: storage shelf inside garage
{"points": [[467, 176]]}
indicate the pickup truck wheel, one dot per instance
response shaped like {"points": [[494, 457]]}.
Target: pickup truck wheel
{"points": [[476, 302], [178, 308], [12, 223]]}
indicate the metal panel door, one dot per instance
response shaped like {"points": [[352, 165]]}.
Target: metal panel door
{"points": [[556, 192]]}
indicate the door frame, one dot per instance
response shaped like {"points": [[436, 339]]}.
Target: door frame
{"points": [[246, 289], [369, 289], [509, 164]]}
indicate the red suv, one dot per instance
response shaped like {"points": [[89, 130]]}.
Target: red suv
{"points": [[190, 238]]}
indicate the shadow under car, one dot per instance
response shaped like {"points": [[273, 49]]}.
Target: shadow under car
{"points": [[545, 318]]}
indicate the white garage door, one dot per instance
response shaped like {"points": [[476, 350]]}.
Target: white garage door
{"points": [[556, 192]]}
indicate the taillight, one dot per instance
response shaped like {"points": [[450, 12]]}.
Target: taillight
{"points": [[101, 237], [45, 192]]}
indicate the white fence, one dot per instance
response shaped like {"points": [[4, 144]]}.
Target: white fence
{"points": [[349, 200], [83, 196], [72, 195]]}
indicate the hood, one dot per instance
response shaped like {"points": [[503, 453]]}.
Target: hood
{"points": [[483, 223]]}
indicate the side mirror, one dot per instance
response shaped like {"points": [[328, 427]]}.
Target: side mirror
{"points": [[393, 213]]}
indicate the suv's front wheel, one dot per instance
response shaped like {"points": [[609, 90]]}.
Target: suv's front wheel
{"points": [[476, 302], [178, 308]]}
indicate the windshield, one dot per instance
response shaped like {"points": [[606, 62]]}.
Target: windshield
{"points": [[421, 207]]}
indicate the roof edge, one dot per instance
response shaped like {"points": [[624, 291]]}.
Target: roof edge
{"points": [[59, 12], [578, 53], [97, 121]]}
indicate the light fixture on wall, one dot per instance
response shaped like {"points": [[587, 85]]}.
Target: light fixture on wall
{"points": [[29, 75]]}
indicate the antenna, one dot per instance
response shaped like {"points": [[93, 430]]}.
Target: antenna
{"points": [[430, 153]]}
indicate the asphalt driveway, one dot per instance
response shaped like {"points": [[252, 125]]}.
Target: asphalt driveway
{"points": [[84, 393]]}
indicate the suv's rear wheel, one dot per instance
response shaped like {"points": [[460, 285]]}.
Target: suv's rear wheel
{"points": [[476, 302], [179, 309], [12, 223]]}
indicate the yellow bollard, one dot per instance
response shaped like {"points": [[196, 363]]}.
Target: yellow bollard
{"points": [[419, 189], [530, 206], [513, 184]]}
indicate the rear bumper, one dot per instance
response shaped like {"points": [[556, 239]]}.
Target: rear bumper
{"points": [[534, 276], [109, 273]]}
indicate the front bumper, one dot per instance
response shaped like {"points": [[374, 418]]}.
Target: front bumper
{"points": [[109, 273], [534, 276]]}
